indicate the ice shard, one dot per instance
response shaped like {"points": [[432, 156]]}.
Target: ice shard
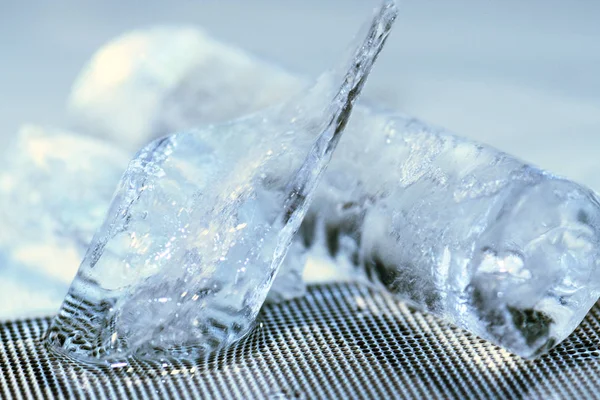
{"points": [[194, 237], [53, 196]]}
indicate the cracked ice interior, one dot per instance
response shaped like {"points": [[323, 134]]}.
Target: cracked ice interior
{"points": [[195, 236]]}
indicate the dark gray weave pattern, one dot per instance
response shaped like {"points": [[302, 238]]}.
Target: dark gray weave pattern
{"points": [[340, 341]]}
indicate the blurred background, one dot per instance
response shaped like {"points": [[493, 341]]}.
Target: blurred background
{"points": [[520, 75]]}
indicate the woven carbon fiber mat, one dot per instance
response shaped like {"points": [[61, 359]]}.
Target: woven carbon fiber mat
{"points": [[339, 341]]}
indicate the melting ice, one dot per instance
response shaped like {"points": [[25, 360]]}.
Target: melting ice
{"points": [[456, 228]]}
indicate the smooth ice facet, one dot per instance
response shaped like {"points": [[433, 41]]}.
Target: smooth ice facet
{"points": [[195, 235]]}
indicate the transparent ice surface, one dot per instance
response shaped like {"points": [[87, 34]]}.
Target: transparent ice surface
{"points": [[323, 233], [195, 235], [52, 195], [140, 85]]}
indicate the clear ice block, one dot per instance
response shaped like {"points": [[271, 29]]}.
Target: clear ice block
{"points": [[195, 235], [50, 210], [55, 188], [476, 236]]}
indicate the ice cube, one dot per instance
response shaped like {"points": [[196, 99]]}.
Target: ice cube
{"points": [[55, 187], [168, 79], [191, 80], [396, 187], [161, 80], [476, 236], [201, 222]]}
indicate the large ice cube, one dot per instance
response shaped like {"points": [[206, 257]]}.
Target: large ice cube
{"points": [[201, 222], [413, 203]]}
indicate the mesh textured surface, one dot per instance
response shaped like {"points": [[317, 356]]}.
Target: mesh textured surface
{"points": [[339, 341]]}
